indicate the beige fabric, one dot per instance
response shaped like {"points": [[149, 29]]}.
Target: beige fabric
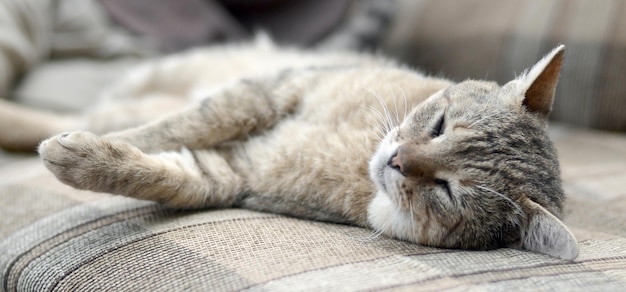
{"points": [[55, 238], [484, 39], [147, 248]]}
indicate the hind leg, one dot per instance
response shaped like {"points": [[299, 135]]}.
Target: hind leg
{"points": [[175, 179]]}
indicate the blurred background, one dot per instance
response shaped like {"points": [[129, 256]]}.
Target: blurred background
{"points": [[58, 54]]}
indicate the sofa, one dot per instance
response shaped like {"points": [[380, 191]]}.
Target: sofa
{"points": [[56, 238]]}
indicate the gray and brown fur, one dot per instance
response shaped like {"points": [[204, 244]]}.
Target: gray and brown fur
{"points": [[340, 137]]}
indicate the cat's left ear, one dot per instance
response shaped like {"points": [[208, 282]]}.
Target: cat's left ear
{"points": [[545, 233], [538, 84]]}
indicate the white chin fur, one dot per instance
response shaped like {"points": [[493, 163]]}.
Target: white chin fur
{"points": [[384, 216]]}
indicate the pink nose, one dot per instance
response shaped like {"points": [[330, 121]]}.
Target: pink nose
{"points": [[395, 162], [415, 161]]}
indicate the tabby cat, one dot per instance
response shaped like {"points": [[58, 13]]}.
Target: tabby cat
{"points": [[340, 137]]}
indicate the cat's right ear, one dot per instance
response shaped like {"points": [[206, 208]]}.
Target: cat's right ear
{"points": [[537, 85]]}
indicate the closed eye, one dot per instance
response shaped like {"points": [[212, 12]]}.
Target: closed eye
{"points": [[442, 183], [438, 128]]}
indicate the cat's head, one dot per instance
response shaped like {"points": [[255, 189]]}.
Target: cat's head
{"points": [[472, 167]]}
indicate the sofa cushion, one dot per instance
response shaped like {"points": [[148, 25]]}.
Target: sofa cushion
{"points": [[56, 238], [122, 244]]}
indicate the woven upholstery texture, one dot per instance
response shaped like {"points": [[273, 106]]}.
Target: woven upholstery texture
{"points": [[55, 238]]}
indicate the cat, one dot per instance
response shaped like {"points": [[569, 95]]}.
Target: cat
{"points": [[341, 137]]}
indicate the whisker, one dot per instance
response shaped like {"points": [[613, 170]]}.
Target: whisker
{"points": [[406, 102], [377, 122], [379, 131], [374, 234], [377, 114], [395, 105], [502, 196], [387, 114], [476, 122]]}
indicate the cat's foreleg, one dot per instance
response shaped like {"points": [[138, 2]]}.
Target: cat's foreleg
{"points": [[176, 179], [233, 113], [141, 162]]}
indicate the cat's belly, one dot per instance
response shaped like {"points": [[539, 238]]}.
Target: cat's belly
{"points": [[305, 167]]}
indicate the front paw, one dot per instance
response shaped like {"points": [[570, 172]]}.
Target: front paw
{"points": [[84, 160]]}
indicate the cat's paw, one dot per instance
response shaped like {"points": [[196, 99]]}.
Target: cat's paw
{"points": [[84, 160]]}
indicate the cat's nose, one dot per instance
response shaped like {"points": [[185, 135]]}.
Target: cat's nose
{"points": [[414, 161], [395, 162]]}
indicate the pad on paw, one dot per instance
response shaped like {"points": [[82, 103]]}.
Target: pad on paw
{"points": [[84, 160]]}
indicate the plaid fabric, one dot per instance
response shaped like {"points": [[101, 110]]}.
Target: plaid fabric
{"points": [[484, 39], [55, 238], [122, 245]]}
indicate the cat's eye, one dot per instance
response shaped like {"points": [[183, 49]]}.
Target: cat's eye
{"points": [[438, 128], [442, 183]]}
